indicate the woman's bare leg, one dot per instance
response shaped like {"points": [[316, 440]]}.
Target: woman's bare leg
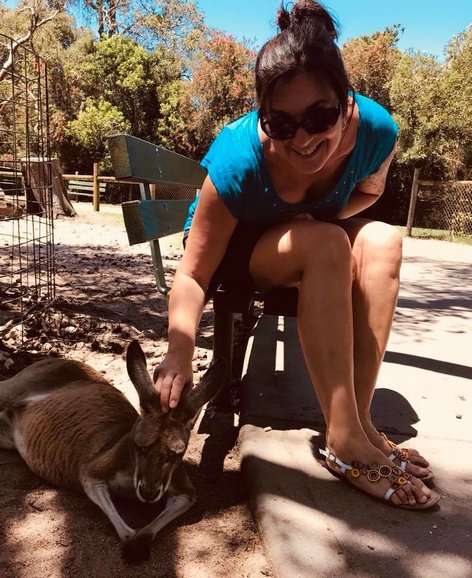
{"points": [[377, 254], [287, 256]]}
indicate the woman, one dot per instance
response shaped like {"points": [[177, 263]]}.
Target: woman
{"points": [[277, 210]]}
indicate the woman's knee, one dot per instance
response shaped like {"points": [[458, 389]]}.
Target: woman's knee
{"points": [[322, 242], [284, 254], [380, 243]]}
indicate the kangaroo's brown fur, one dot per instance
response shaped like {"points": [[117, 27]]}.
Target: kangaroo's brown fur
{"points": [[74, 429]]}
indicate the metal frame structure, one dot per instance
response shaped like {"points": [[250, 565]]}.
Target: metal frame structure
{"points": [[27, 271]]}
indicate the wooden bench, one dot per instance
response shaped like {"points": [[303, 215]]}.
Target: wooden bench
{"points": [[11, 181], [84, 189], [149, 219]]}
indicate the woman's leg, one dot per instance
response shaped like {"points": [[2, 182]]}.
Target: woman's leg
{"points": [[377, 254], [317, 258]]}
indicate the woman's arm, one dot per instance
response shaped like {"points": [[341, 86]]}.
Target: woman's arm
{"points": [[208, 238], [367, 191]]}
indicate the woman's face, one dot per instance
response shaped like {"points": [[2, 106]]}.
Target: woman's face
{"points": [[306, 153]]}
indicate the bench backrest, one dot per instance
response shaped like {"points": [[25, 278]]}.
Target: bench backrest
{"points": [[136, 160], [149, 219]]}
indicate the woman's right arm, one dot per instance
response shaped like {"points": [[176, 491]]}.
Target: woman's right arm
{"points": [[211, 229]]}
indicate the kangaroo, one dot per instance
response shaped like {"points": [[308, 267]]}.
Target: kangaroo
{"points": [[74, 429]]}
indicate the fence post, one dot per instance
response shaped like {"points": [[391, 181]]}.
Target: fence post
{"points": [[413, 197], [96, 187]]}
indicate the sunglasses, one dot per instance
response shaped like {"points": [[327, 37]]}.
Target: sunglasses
{"points": [[316, 119]]}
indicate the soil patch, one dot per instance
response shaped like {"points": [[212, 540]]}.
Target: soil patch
{"points": [[106, 296]]}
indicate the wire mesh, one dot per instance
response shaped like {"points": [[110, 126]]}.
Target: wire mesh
{"points": [[27, 275], [174, 192], [445, 205]]}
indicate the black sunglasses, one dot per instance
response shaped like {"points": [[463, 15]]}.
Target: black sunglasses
{"points": [[316, 119]]}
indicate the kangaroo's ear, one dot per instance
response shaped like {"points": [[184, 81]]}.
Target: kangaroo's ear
{"points": [[136, 365], [210, 384]]}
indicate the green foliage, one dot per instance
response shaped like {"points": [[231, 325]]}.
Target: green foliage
{"points": [[370, 62], [94, 124], [175, 24], [457, 90], [417, 100], [432, 102], [220, 91], [157, 71], [123, 73]]}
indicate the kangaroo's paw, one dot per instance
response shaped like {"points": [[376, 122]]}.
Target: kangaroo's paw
{"points": [[138, 548]]}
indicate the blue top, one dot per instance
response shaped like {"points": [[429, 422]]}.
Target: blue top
{"points": [[236, 165]]}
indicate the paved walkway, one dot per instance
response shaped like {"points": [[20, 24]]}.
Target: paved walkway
{"points": [[314, 525]]}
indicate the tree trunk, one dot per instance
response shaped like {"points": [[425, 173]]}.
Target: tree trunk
{"points": [[41, 177]]}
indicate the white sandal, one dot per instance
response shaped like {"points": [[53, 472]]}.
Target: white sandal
{"points": [[373, 472]]}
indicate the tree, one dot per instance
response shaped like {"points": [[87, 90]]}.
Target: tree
{"points": [[457, 100], [417, 99], [370, 62], [119, 72], [220, 90], [21, 25], [174, 24], [93, 125], [170, 23]]}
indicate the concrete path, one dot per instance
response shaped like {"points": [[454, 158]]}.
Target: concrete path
{"points": [[314, 525]]}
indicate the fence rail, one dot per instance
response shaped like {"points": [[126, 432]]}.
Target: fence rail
{"points": [[444, 205], [96, 179]]}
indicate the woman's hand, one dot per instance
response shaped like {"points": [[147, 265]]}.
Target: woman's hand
{"points": [[209, 235], [171, 377]]}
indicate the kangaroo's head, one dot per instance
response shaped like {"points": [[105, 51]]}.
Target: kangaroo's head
{"points": [[159, 440]]}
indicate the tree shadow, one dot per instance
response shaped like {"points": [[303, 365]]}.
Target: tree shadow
{"points": [[433, 292]]}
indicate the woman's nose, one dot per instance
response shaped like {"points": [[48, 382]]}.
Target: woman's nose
{"points": [[301, 137]]}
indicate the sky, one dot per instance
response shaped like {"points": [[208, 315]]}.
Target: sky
{"points": [[429, 24]]}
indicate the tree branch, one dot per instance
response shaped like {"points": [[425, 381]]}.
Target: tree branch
{"points": [[35, 23]]}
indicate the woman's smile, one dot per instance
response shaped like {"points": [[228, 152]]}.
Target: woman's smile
{"points": [[306, 153]]}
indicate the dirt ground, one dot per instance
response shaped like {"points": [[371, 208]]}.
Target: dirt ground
{"points": [[106, 296]]}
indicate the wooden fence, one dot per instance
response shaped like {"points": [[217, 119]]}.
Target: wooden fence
{"points": [[96, 179], [447, 204]]}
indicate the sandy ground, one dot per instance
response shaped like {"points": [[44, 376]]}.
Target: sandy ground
{"points": [[105, 296]]}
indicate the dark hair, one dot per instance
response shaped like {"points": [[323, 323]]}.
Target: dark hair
{"points": [[306, 42]]}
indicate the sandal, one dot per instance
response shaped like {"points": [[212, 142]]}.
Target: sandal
{"points": [[403, 456], [396, 476]]}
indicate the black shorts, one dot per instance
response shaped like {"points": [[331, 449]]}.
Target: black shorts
{"points": [[233, 271]]}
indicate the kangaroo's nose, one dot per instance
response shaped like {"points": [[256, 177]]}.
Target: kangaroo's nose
{"points": [[147, 493]]}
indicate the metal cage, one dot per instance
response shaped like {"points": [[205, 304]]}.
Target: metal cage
{"points": [[27, 274]]}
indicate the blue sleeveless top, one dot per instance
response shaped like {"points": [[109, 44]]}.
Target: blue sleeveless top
{"points": [[236, 165]]}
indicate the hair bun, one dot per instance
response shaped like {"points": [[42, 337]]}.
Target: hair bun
{"points": [[283, 18], [304, 10]]}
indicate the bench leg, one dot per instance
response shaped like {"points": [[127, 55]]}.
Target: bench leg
{"points": [[223, 347]]}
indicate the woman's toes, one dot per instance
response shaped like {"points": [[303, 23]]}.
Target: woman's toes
{"points": [[410, 495], [421, 492], [417, 459], [397, 499], [417, 471]]}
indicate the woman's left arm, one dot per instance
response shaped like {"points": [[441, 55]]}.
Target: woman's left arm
{"points": [[367, 191]]}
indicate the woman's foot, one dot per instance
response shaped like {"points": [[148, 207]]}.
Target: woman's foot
{"points": [[369, 470], [416, 464]]}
